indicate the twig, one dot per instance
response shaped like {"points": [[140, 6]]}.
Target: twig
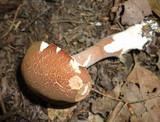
{"points": [[25, 118], [68, 21], [120, 25], [12, 24], [117, 110], [147, 25], [34, 19], [2, 105], [107, 95], [6, 115], [143, 100], [120, 100]]}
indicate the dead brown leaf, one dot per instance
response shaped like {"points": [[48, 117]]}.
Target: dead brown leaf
{"points": [[149, 86], [134, 11], [62, 114], [155, 5], [148, 81], [144, 6], [103, 105], [123, 115], [132, 93], [93, 118], [106, 104], [149, 116]]}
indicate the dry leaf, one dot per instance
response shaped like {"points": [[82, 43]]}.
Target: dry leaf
{"points": [[132, 13], [149, 86], [144, 6], [93, 118], [155, 6], [103, 105], [62, 114], [131, 93], [149, 116], [148, 82], [135, 11], [123, 115]]}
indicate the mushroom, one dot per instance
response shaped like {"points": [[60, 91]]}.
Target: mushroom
{"points": [[54, 74], [50, 71], [115, 45]]}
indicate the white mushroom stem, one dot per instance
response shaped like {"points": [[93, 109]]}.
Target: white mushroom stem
{"points": [[114, 45]]}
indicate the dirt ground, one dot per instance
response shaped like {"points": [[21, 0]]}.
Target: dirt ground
{"points": [[126, 89]]}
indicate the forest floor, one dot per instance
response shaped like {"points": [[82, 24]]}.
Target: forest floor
{"points": [[125, 89]]}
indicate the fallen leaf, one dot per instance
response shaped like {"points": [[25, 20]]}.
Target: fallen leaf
{"points": [[93, 118], [149, 116], [132, 13], [144, 6], [155, 6], [103, 105], [149, 86], [135, 11], [106, 104], [131, 93], [148, 81], [62, 114], [123, 115]]}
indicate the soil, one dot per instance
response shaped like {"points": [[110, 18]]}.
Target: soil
{"points": [[74, 26]]}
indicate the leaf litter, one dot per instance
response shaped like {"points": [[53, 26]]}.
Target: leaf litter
{"points": [[133, 90], [149, 86]]}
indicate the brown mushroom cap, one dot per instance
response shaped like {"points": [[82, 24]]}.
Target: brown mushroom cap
{"points": [[54, 74]]}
